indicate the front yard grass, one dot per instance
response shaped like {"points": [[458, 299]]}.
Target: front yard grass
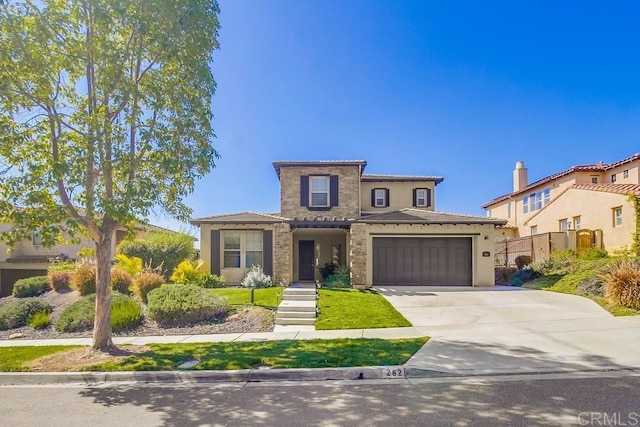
{"points": [[273, 354], [265, 297], [12, 359], [356, 309]]}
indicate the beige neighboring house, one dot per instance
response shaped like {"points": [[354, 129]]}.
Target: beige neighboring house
{"points": [[585, 197], [30, 258], [384, 227]]}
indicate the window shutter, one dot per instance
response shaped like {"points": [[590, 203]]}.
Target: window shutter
{"points": [[333, 190], [304, 190], [428, 197], [373, 197], [387, 196], [267, 252], [415, 198], [215, 252]]}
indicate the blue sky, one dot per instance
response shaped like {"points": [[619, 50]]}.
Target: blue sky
{"points": [[461, 89]]}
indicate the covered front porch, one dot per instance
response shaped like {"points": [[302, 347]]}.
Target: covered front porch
{"points": [[314, 248]]}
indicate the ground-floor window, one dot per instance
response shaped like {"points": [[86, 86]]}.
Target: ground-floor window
{"points": [[242, 249]]}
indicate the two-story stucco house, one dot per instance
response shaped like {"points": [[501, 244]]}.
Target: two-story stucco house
{"points": [[594, 197], [384, 227]]}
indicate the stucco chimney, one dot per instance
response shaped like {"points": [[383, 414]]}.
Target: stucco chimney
{"points": [[520, 179]]}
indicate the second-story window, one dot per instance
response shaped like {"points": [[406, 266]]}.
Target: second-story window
{"points": [[625, 173], [380, 199], [421, 197], [613, 178], [319, 194]]}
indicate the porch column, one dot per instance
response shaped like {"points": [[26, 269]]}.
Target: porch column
{"points": [[282, 260], [358, 254]]}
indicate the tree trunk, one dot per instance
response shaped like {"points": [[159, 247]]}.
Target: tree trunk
{"points": [[102, 324]]}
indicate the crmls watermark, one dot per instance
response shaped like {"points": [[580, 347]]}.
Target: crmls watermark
{"points": [[609, 419]]}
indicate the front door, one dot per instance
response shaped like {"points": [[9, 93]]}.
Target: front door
{"points": [[306, 267]]}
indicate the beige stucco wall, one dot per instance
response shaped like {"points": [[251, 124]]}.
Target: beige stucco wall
{"points": [[400, 195], [634, 173], [595, 213], [348, 191], [483, 238]]}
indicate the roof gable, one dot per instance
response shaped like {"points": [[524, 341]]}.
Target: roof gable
{"points": [[423, 216]]}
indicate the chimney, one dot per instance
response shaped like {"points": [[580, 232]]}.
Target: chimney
{"points": [[520, 179]]}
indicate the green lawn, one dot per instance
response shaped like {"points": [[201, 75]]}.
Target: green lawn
{"points": [[356, 309], [12, 359], [273, 354], [265, 297]]}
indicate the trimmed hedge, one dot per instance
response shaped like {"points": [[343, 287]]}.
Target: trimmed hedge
{"points": [[121, 281], [30, 287], [60, 280], [180, 305], [17, 313], [145, 282]]}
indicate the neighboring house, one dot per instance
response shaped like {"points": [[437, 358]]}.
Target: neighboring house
{"points": [[593, 197], [30, 258], [384, 227]]}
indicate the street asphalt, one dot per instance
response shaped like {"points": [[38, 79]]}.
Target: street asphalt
{"points": [[474, 332]]}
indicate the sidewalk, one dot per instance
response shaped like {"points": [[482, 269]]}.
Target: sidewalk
{"points": [[282, 333]]}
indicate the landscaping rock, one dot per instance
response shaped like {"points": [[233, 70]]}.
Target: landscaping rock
{"points": [[16, 336]]}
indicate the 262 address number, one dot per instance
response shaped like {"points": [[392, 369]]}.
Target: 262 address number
{"points": [[397, 372]]}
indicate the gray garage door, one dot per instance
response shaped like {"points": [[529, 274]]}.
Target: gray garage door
{"points": [[433, 261]]}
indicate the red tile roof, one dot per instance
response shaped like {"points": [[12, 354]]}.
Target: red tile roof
{"points": [[610, 188], [600, 167]]}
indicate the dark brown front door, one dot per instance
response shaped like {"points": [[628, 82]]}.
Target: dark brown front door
{"points": [[422, 261], [306, 266]]}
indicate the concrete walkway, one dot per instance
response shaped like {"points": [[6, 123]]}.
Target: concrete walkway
{"points": [[477, 331], [282, 333]]}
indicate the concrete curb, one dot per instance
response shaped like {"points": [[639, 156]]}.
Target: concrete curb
{"points": [[193, 377]]}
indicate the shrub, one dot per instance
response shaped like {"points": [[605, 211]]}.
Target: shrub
{"points": [[126, 313], [560, 262], [30, 287], [40, 320], [121, 280], [327, 270], [621, 281], [178, 305], [84, 279], [593, 253], [591, 286], [18, 312], [206, 280], [255, 278], [340, 277], [507, 272], [522, 261], [131, 264], [187, 271], [79, 316], [145, 282], [63, 265], [160, 248], [523, 276], [59, 280]]}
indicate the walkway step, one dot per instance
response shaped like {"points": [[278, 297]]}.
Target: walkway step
{"points": [[301, 291], [311, 297], [309, 306], [297, 314], [295, 321]]}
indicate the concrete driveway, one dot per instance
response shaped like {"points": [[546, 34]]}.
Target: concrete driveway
{"points": [[513, 330]]}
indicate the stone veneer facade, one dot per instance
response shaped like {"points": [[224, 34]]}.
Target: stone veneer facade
{"points": [[348, 191], [282, 259], [358, 253]]}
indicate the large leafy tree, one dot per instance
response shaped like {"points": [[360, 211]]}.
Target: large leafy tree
{"points": [[105, 118]]}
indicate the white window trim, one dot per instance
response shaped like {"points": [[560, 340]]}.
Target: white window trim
{"points": [[625, 173], [617, 219], [424, 197], [577, 222], [243, 248], [564, 224], [383, 198], [311, 192]]}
